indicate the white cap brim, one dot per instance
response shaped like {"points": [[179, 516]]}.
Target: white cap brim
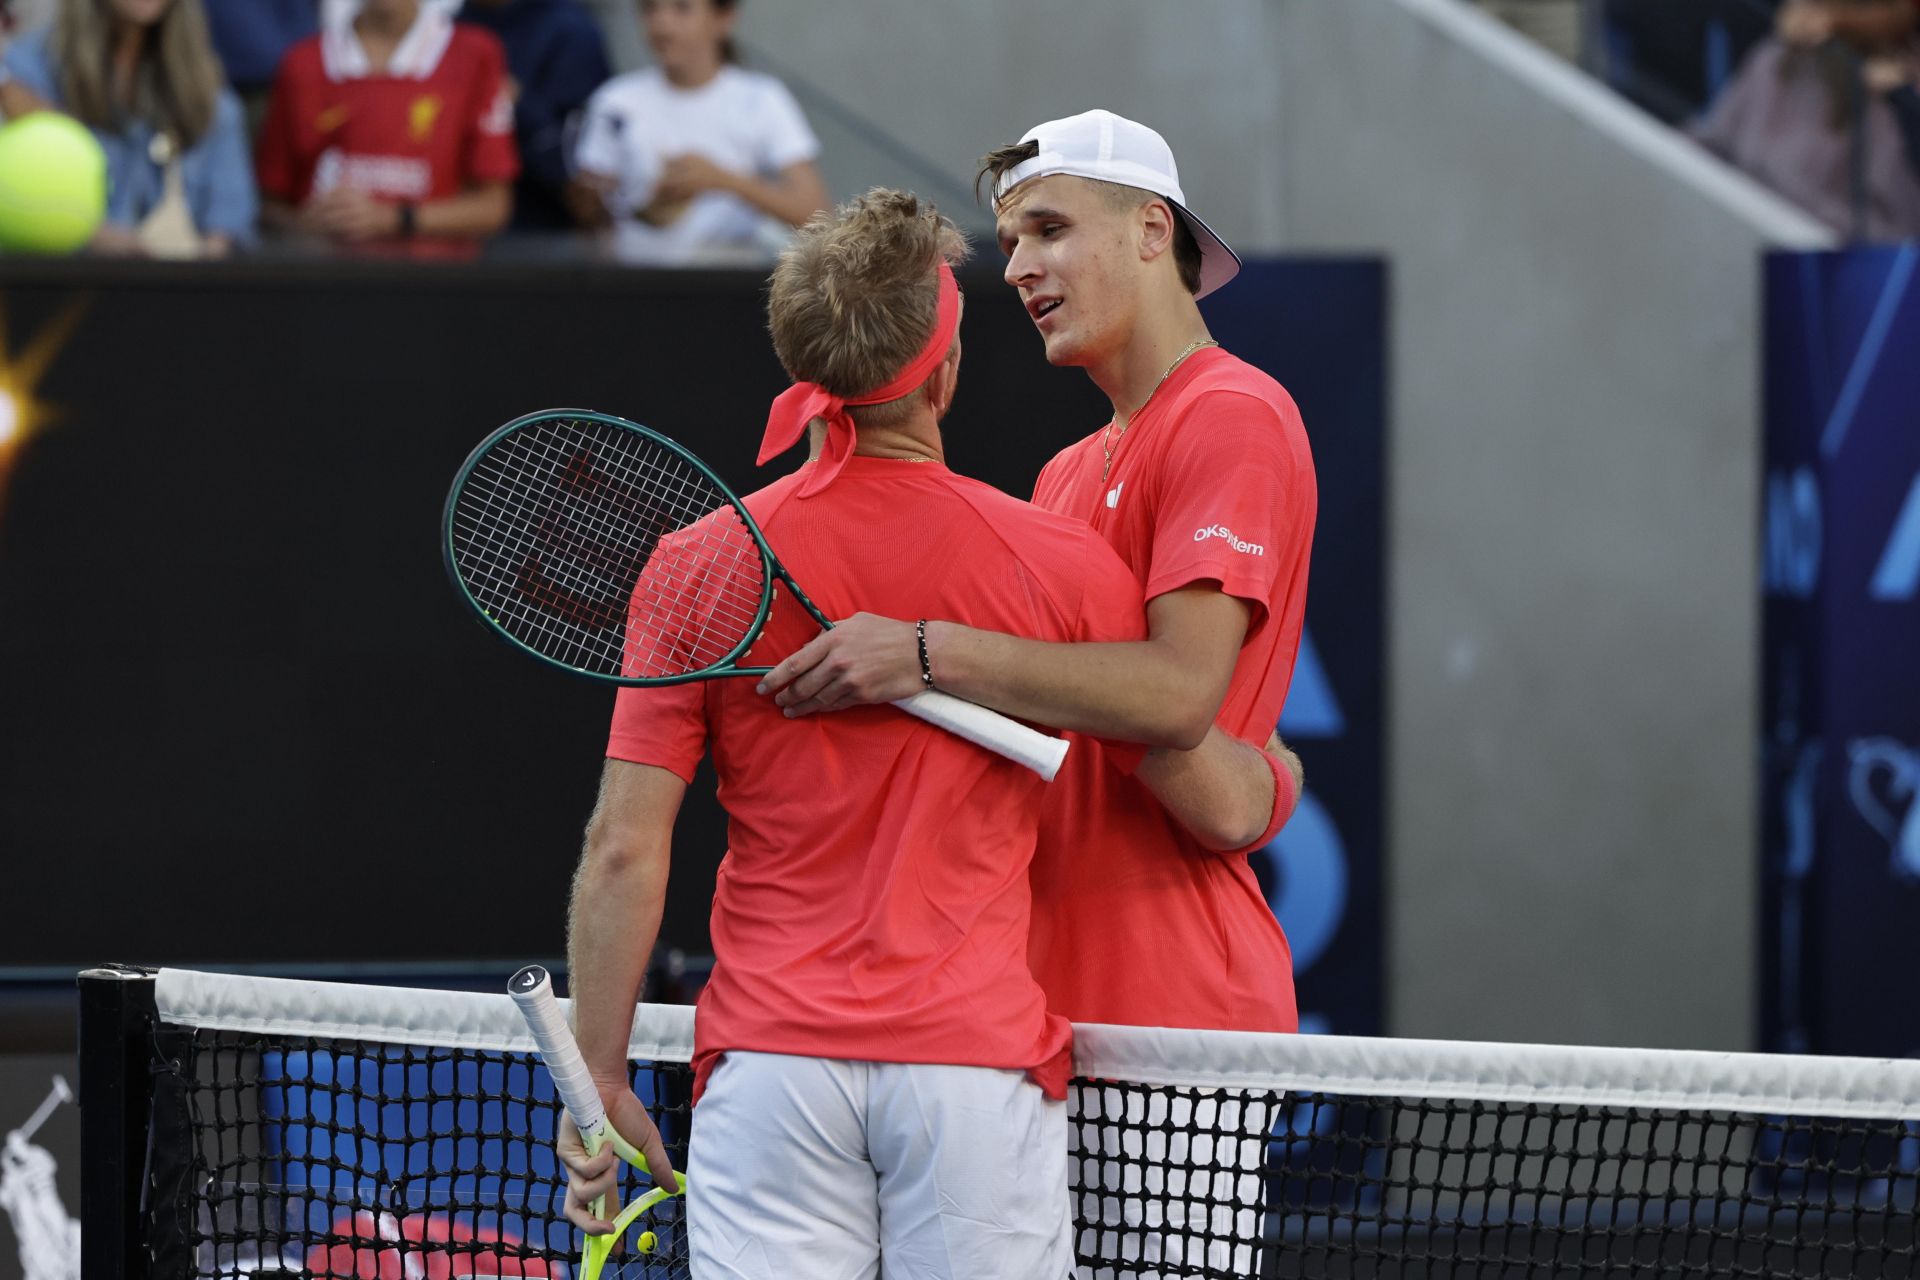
{"points": [[1218, 262]]}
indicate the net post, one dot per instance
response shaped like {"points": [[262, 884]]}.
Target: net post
{"points": [[116, 1016]]}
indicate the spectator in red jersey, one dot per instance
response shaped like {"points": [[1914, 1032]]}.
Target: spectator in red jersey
{"points": [[392, 122]]}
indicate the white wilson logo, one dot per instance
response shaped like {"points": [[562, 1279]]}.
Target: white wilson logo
{"points": [[1238, 544]]}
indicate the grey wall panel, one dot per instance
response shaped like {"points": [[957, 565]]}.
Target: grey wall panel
{"points": [[1572, 542]]}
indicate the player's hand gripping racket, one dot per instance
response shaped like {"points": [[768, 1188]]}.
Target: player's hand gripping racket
{"points": [[532, 991], [611, 552]]}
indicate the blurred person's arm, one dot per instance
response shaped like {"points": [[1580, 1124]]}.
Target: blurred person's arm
{"points": [[27, 76], [18, 100], [793, 196], [275, 158], [573, 69], [346, 213], [233, 203], [1896, 77]]}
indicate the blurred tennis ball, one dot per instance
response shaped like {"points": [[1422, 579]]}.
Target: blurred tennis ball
{"points": [[648, 1242], [53, 184]]}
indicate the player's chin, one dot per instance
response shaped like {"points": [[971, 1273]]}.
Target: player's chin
{"points": [[1062, 348]]}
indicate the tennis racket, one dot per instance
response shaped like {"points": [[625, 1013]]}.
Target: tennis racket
{"points": [[532, 991], [612, 552]]}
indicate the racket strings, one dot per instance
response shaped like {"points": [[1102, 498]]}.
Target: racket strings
{"points": [[600, 548]]}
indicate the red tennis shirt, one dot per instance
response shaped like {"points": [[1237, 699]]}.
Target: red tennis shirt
{"points": [[436, 120], [873, 903], [1133, 921]]}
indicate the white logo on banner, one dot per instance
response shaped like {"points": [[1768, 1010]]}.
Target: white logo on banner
{"points": [[1793, 533], [1885, 785], [1897, 577], [49, 1237]]}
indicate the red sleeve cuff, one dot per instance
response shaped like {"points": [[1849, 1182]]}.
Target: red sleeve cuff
{"points": [[1285, 800], [648, 754]]}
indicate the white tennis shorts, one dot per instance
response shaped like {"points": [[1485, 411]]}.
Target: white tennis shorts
{"points": [[816, 1167]]}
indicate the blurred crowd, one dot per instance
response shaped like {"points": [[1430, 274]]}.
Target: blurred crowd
{"points": [[416, 126], [1817, 99]]}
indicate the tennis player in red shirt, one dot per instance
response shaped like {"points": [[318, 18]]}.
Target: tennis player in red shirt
{"points": [[393, 122], [1203, 482], [880, 1086]]}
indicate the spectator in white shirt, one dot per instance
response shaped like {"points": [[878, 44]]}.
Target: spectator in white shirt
{"points": [[696, 152]]}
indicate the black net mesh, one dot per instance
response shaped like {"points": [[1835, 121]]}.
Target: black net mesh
{"points": [[335, 1158]]}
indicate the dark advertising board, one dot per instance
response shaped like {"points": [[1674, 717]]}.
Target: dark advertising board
{"points": [[243, 718], [1841, 725]]}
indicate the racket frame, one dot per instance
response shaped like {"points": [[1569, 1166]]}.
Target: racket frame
{"points": [[774, 570]]}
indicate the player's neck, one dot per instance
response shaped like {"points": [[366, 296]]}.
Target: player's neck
{"points": [[917, 440], [1156, 346]]}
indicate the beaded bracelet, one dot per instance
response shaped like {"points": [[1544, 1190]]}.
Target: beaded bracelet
{"points": [[926, 667]]}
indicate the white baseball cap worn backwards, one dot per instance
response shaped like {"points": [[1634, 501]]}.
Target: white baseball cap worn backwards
{"points": [[1110, 148]]}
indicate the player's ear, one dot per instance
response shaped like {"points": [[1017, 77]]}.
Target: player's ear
{"points": [[944, 382], [1154, 225]]}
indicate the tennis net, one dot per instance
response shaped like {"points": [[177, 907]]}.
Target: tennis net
{"points": [[334, 1130]]}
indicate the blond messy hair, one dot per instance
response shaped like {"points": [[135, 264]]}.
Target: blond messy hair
{"points": [[854, 296]]}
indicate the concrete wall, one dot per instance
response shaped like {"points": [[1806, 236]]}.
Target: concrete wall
{"points": [[953, 80], [1573, 611], [1575, 475]]}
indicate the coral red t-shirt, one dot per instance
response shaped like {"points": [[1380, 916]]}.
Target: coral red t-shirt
{"points": [[436, 120], [1133, 921], [873, 903]]}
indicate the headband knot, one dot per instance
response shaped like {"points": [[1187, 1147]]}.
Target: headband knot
{"points": [[802, 402]]}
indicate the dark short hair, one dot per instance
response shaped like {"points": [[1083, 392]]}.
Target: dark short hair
{"points": [[998, 162]]}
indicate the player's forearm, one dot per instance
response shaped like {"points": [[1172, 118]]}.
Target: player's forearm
{"points": [[612, 922], [475, 213], [1137, 691], [1222, 791]]}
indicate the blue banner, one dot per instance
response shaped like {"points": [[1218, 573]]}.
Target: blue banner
{"points": [[1841, 721], [1320, 329]]}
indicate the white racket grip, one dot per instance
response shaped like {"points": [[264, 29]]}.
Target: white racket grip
{"points": [[532, 991], [1038, 751]]}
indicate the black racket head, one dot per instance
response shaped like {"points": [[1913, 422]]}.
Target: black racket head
{"points": [[606, 549]]}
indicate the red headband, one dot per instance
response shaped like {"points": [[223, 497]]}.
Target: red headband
{"points": [[802, 402]]}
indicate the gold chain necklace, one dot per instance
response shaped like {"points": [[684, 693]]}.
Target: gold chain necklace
{"points": [[1109, 442]]}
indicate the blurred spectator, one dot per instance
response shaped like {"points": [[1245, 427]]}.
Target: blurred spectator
{"points": [[392, 122], [696, 152], [1673, 57], [1825, 114], [143, 76], [557, 59], [24, 15], [619, 23], [251, 36]]}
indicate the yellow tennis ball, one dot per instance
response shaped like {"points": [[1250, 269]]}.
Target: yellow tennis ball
{"points": [[53, 184], [648, 1242]]}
